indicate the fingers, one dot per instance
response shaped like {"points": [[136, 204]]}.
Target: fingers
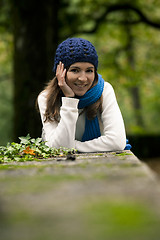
{"points": [[60, 74], [60, 70], [64, 73]]}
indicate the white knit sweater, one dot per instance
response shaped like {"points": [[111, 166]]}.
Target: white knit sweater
{"points": [[68, 132]]}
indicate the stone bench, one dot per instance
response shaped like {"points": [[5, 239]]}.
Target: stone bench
{"points": [[111, 195]]}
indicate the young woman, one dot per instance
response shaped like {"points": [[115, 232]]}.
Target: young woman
{"points": [[78, 109]]}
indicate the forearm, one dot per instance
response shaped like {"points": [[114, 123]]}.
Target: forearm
{"points": [[110, 142], [62, 134], [113, 133]]}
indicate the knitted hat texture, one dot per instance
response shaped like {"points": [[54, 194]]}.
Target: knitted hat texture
{"points": [[75, 50]]}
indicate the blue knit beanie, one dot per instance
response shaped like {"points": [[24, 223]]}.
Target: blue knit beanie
{"points": [[75, 50]]}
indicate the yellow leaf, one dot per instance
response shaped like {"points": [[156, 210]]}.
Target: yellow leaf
{"points": [[28, 150]]}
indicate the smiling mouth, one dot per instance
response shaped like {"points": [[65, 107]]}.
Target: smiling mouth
{"points": [[80, 85]]}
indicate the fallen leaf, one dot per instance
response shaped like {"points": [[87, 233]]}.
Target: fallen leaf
{"points": [[28, 150]]}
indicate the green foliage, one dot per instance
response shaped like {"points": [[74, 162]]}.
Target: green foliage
{"points": [[6, 87], [30, 149], [5, 16], [6, 111], [111, 39]]}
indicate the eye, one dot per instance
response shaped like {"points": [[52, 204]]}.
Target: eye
{"points": [[89, 70], [74, 70]]}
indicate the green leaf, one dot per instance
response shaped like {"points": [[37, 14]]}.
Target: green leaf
{"points": [[17, 159], [14, 151], [36, 141], [25, 140]]}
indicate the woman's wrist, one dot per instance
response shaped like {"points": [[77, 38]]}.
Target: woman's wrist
{"points": [[70, 102]]}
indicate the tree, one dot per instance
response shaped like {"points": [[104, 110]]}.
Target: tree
{"points": [[35, 39], [130, 15], [38, 29]]}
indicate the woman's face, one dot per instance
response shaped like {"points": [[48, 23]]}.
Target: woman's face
{"points": [[80, 77]]}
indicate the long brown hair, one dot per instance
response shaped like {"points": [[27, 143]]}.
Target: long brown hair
{"points": [[54, 96]]}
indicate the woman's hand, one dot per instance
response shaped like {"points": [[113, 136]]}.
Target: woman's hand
{"points": [[60, 74]]}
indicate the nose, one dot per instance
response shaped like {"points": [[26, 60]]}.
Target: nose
{"points": [[82, 76]]}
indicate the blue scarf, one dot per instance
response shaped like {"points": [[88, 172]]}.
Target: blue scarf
{"points": [[92, 129]]}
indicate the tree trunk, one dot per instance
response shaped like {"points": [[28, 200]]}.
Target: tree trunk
{"points": [[35, 41], [134, 90]]}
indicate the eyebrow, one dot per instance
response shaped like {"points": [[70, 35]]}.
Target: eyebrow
{"points": [[80, 67]]}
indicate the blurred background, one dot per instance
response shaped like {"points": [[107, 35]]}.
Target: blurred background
{"points": [[126, 35]]}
